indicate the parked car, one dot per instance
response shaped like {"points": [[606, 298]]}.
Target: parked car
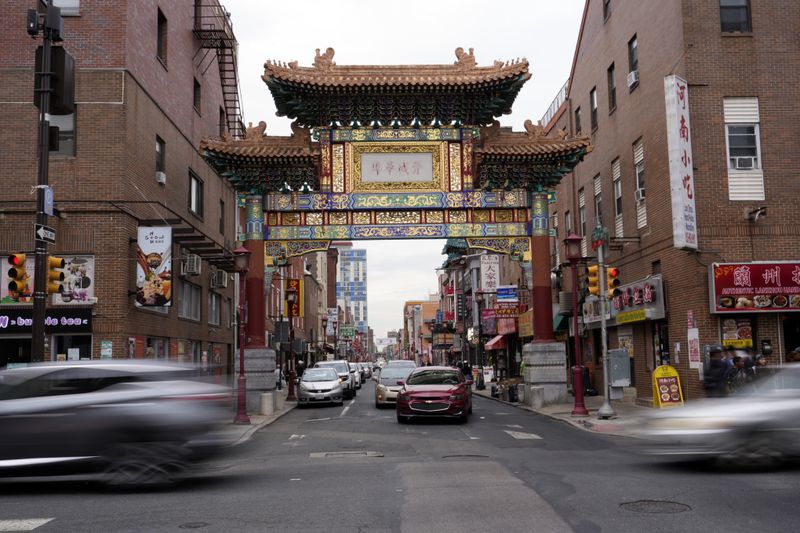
{"points": [[123, 423], [367, 369], [356, 374], [345, 374], [438, 391], [401, 362], [320, 385], [387, 387], [757, 427]]}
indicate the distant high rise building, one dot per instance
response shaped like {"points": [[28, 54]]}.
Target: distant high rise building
{"points": [[351, 283]]}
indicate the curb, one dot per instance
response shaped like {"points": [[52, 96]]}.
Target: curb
{"points": [[250, 431]]}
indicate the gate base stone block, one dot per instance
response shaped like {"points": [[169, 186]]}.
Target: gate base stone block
{"points": [[545, 373]]}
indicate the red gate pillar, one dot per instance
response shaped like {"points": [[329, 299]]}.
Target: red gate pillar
{"points": [[254, 286], [540, 260]]}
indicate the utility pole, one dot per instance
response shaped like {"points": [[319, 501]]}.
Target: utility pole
{"points": [[50, 24], [606, 411]]}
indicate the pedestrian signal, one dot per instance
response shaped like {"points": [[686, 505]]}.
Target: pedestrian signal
{"points": [[54, 275], [612, 276], [593, 279], [17, 274]]}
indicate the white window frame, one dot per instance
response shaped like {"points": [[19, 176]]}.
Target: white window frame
{"points": [[617, 182], [189, 305], [214, 308], [757, 157], [195, 194]]}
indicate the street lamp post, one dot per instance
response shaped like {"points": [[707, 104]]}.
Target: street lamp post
{"points": [[291, 298], [573, 252], [242, 257], [325, 337]]}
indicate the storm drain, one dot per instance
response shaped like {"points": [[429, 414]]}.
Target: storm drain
{"points": [[327, 455], [465, 456], [655, 507]]}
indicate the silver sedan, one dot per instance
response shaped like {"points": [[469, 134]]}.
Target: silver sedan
{"points": [[320, 385]]}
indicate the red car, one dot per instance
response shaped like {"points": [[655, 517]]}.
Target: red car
{"points": [[434, 391]]}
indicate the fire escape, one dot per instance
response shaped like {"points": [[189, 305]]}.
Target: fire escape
{"points": [[213, 29]]}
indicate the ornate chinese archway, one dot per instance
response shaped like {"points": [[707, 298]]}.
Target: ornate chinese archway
{"points": [[396, 152]]}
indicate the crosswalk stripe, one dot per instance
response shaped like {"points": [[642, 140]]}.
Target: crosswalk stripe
{"points": [[522, 436], [23, 524]]}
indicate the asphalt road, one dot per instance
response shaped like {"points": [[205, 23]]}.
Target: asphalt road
{"points": [[355, 469]]}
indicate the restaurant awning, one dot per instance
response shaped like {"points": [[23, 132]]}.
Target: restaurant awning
{"points": [[560, 322], [497, 343]]}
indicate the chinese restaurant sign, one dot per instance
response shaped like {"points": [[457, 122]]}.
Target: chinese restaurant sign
{"points": [[641, 300], [681, 175], [754, 287], [490, 272]]}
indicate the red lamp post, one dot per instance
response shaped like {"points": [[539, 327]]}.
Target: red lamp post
{"points": [[291, 299], [241, 259], [573, 252]]}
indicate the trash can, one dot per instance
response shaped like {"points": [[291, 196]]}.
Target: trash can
{"points": [[513, 394], [495, 392]]}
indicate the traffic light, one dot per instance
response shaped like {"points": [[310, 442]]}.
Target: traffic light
{"points": [[17, 274], [54, 275], [593, 279], [612, 275]]}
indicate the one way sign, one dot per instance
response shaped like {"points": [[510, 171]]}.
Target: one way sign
{"points": [[43, 233]]}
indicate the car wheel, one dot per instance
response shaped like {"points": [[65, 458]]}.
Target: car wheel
{"points": [[757, 450], [402, 419], [145, 464]]}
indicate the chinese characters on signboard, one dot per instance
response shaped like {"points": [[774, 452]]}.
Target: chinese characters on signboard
{"points": [[396, 167], [761, 287], [490, 272], [681, 175]]}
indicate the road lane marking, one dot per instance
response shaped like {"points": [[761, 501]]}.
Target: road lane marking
{"points": [[318, 419], [515, 426], [522, 436], [23, 524], [297, 437]]}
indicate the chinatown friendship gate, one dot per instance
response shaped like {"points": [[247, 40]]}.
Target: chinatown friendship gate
{"points": [[394, 152]]}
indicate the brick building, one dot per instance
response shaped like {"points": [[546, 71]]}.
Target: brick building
{"points": [[152, 79], [698, 199]]}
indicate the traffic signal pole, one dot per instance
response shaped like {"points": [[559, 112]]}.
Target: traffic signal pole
{"points": [[40, 265], [606, 411]]}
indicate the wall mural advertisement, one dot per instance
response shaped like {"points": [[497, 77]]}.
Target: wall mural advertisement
{"points": [[78, 281], [754, 287], [154, 266]]}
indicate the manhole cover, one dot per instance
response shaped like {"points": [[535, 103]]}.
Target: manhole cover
{"points": [[193, 525], [317, 455], [655, 507], [465, 456]]}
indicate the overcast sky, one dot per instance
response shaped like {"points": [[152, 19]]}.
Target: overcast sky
{"points": [[411, 32]]}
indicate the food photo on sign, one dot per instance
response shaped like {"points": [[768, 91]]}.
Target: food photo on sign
{"points": [[154, 267], [763, 287], [78, 283]]}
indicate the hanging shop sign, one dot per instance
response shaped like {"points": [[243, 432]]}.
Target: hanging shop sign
{"points": [[666, 387], [638, 301], [154, 266], [488, 322], [64, 320], [737, 332], [754, 287], [591, 311], [506, 310], [79, 281], [490, 272], [526, 324], [507, 293]]}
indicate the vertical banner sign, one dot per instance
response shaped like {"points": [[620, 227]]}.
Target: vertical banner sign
{"points": [[296, 309], [154, 266], [333, 318], [681, 176], [490, 272], [693, 340]]}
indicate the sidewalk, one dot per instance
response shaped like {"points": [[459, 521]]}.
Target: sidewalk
{"points": [[627, 417]]}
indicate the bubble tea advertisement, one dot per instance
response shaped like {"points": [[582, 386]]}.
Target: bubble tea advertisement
{"points": [[154, 267]]}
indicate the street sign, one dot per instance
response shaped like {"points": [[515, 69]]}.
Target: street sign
{"points": [[48, 200], [44, 233]]}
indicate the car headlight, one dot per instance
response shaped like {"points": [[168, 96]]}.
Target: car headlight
{"points": [[303, 386], [456, 397]]}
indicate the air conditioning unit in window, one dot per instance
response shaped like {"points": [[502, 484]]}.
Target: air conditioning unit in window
{"points": [[219, 279], [633, 78], [161, 177], [190, 266], [639, 195], [744, 163]]}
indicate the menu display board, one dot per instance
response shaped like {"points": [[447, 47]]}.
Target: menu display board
{"points": [[666, 387], [754, 287]]}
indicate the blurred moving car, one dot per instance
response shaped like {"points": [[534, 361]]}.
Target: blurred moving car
{"points": [[387, 388], [123, 423], [434, 391], [320, 385], [345, 373], [760, 426]]}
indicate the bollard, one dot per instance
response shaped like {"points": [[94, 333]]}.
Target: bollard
{"points": [[267, 403]]}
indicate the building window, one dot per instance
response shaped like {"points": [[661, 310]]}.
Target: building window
{"points": [[598, 200], [222, 216], [593, 107], [214, 308], [189, 304], [567, 222], [196, 96], [745, 176], [734, 15], [612, 89], [160, 154], [161, 43], [582, 212], [223, 127], [633, 54], [638, 163], [606, 9], [578, 121], [617, 178], [66, 133], [69, 8], [742, 146], [195, 194]]}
